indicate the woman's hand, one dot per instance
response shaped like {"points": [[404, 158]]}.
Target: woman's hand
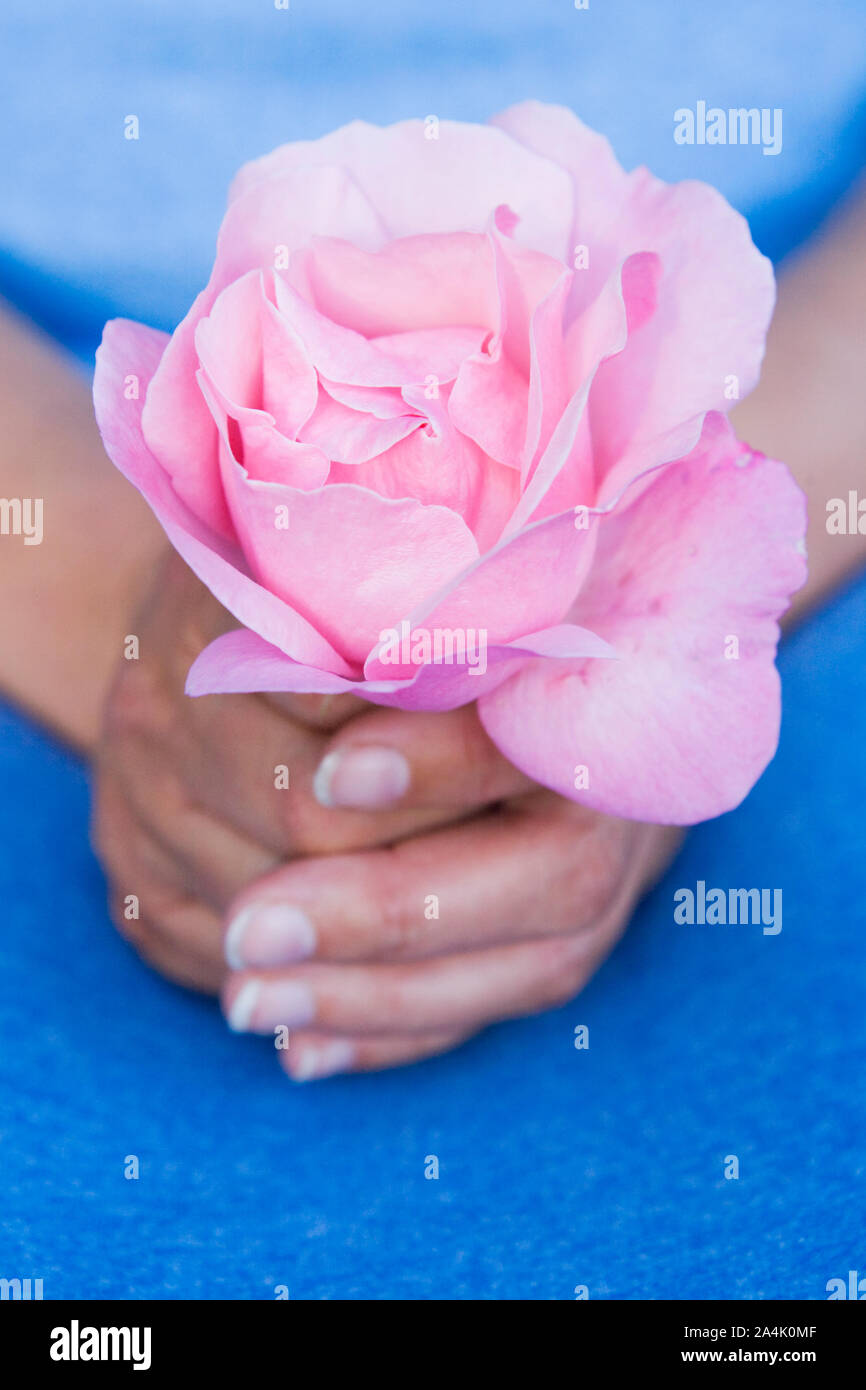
{"points": [[382, 957], [406, 888], [191, 797]]}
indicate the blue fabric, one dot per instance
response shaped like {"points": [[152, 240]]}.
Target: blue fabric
{"points": [[558, 1167], [94, 224]]}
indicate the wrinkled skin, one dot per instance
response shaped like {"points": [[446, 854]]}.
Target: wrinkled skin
{"points": [[533, 890]]}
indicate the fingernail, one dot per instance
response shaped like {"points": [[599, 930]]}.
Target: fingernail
{"points": [[361, 778], [325, 1060], [262, 1005], [266, 934], [241, 1011]]}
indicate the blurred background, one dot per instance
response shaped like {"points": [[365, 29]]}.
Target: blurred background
{"points": [[559, 1167], [131, 224]]}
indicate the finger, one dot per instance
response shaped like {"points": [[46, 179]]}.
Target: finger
{"points": [[235, 756], [149, 901], [216, 862], [313, 1056], [255, 768], [150, 882], [457, 993], [319, 712], [534, 869], [128, 853], [173, 951], [186, 937], [418, 760], [185, 846]]}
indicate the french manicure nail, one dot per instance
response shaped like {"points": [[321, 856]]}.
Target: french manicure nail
{"points": [[241, 1011], [262, 1005], [324, 1060], [267, 934], [363, 778]]}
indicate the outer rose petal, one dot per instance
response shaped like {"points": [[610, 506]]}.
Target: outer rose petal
{"points": [[715, 298], [129, 349], [449, 184], [240, 661], [497, 592], [599, 185], [176, 421], [714, 304], [674, 732]]}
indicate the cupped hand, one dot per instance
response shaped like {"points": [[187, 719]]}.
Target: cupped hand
{"points": [[370, 959], [380, 884]]}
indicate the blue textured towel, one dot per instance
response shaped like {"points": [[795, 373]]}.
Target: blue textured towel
{"points": [[558, 1167]]}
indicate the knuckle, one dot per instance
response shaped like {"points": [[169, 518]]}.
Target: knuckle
{"points": [[158, 909], [615, 842], [171, 912], [400, 928], [561, 973], [394, 1001], [596, 874], [139, 886], [572, 979], [142, 937], [102, 839], [320, 712], [397, 935], [132, 929], [307, 827], [477, 758], [109, 826], [137, 704]]}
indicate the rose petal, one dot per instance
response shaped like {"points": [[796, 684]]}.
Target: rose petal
{"points": [[390, 551], [448, 183], [412, 284], [230, 347], [675, 731], [128, 352], [268, 217], [239, 662]]}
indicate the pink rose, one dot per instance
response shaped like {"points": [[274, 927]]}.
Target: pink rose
{"points": [[447, 425]]}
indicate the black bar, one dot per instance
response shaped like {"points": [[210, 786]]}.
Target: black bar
{"points": [[246, 1339]]}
